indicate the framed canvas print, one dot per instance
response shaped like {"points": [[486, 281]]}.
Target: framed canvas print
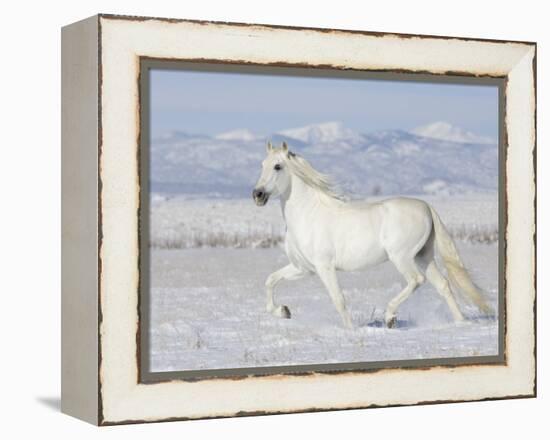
{"points": [[265, 219]]}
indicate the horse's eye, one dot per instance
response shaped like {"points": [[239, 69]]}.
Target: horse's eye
{"points": [[278, 167]]}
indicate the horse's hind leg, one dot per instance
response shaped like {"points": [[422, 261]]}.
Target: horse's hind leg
{"points": [[289, 272], [425, 258], [442, 286], [407, 267]]}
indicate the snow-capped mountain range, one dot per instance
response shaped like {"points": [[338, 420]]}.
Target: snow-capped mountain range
{"points": [[322, 133], [446, 132], [437, 158]]}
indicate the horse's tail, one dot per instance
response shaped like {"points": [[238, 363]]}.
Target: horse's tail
{"points": [[455, 268]]}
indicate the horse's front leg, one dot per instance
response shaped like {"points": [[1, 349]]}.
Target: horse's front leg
{"points": [[329, 279], [289, 272]]}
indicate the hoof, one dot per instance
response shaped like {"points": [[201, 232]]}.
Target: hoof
{"points": [[285, 312], [391, 322], [281, 312]]}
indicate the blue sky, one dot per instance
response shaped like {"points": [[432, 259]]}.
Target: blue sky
{"points": [[212, 102]]}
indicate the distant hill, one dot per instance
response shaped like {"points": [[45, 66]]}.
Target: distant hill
{"points": [[434, 159]]}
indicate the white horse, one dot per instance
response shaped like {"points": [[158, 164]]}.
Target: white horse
{"points": [[325, 234]]}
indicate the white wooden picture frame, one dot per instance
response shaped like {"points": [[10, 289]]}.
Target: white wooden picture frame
{"points": [[101, 66]]}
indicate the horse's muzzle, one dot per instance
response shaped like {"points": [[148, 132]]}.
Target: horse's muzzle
{"points": [[260, 196]]}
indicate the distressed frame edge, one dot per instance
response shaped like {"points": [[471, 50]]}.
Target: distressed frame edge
{"points": [[535, 196], [532, 151], [101, 419], [100, 412], [79, 301], [125, 17], [316, 410]]}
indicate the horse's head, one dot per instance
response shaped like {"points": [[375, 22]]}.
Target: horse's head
{"points": [[275, 177]]}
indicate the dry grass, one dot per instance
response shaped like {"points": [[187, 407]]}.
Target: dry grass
{"points": [[217, 239], [271, 238]]}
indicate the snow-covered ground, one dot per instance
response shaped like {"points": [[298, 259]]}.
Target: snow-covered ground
{"points": [[179, 221], [208, 311]]}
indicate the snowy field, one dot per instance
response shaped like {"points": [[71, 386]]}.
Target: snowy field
{"points": [[208, 311], [209, 262]]}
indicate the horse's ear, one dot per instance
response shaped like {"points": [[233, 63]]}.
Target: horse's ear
{"points": [[285, 147], [268, 147]]}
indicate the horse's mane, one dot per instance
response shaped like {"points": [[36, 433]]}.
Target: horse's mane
{"points": [[310, 176]]}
